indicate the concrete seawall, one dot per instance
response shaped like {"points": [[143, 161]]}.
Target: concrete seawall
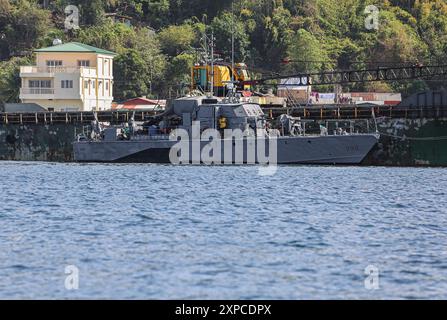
{"points": [[37, 142], [405, 142], [410, 142]]}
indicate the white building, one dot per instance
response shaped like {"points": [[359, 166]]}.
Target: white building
{"points": [[297, 89], [69, 77]]}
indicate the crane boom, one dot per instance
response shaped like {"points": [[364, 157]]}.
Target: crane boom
{"points": [[355, 76]]}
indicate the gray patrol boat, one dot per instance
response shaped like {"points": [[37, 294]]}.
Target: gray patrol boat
{"points": [[153, 141]]}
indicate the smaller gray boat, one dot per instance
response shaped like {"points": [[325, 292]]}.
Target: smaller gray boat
{"points": [[200, 130]]}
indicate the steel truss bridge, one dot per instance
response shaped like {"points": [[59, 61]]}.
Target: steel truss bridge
{"points": [[355, 76]]}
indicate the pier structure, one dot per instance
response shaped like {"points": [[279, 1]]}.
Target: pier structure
{"points": [[315, 112], [412, 134]]}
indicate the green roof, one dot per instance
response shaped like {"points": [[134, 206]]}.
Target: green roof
{"points": [[75, 47]]}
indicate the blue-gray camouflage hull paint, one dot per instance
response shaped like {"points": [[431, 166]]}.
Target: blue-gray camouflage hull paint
{"points": [[396, 147], [290, 150]]}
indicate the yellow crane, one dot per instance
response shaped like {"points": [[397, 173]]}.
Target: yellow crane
{"points": [[201, 76]]}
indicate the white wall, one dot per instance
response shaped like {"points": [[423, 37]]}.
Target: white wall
{"points": [[101, 70]]}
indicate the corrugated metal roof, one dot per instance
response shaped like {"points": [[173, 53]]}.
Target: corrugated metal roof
{"points": [[23, 107], [144, 101], [75, 47]]}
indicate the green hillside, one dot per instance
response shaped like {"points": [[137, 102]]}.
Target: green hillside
{"points": [[158, 48]]}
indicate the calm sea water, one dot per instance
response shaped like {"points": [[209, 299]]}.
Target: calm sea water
{"points": [[163, 232]]}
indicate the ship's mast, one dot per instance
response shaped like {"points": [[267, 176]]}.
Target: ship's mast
{"points": [[205, 40], [232, 85], [212, 63], [209, 43]]}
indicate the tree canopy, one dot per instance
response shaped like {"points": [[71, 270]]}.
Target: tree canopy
{"points": [[158, 47]]}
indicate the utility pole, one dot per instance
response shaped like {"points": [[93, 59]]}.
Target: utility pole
{"points": [[232, 42], [205, 58]]}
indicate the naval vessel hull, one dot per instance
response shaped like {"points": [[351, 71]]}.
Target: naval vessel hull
{"points": [[323, 150]]}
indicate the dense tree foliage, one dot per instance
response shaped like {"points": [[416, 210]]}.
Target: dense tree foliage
{"points": [[164, 38]]}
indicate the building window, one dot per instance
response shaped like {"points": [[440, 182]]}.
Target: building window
{"points": [[34, 83], [54, 63], [45, 83], [107, 85], [39, 83], [83, 63], [67, 84], [85, 84]]}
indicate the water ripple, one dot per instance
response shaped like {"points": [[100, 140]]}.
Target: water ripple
{"points": [[149, 231]]}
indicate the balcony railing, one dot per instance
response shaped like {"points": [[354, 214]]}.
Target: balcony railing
{"points": [[34, 69], [37, 91]]}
